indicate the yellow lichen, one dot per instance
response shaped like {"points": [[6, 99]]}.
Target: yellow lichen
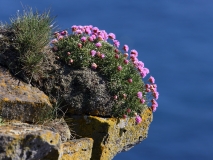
{"points": [[5, 99]]}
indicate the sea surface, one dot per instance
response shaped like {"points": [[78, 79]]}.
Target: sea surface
{"points": [[174, 39]]}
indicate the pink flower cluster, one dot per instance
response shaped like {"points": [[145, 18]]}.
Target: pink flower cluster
{"points": [[152, 88], [93, 33], [59, 36], [90, 34]]}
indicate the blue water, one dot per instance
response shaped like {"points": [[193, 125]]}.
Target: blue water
{"points": [[174, 39]]}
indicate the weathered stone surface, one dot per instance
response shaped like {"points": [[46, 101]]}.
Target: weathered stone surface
{"points": [[59, 126], [20, 101], [80, 149], [83, 90], [20, 141], [112, 135]]}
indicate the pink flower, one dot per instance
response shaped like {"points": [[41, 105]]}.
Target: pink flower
{"points": [[119, 68], [98, 54], [57, 34], [125, 48], [95, 29], [78, 31], [155, 95], [116, 43], [79, 45], [140, 64], [134, 52], [64, 33], [154, 108], [83, 39], [54, 41], [92, 53], [152, 79], [91, 38], [147, 86], [126, 61], [124, 116], [154, 102], [128, 110], [144, 72], [87, 31], [148, 90], [68, 53], [94, 66], [102, 56], [71, 61], [138, 119], [126, 54], [142, 101], [100, 38], [116, 50], [111, 35], [98, 44], [115, 97], [60, 37], [133, 57], [129, 80], [117, 56], [74, 28], [139, 95]]}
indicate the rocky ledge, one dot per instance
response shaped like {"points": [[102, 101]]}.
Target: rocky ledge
{"points": [[22, 136]]}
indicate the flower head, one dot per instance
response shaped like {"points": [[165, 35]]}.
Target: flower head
{"points": [[95, 29], [74, 28], [98, 44], [142, 101], [83, 39], [92, 53], [134, 52], [152, 79], [117, 56], [138, 119], [102, 56], [128, 110], [139, 95], [87, 31], [116, 43], [126, 61], [94, 66], [119, 68], [130, 80], [111, 35], [125, 48], [126, 55]]}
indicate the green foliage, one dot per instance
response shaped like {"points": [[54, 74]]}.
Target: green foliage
{"points": [[32, 33], [68, 49]]}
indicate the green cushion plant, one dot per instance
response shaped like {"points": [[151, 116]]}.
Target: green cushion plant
{"points": [[89, 47]]}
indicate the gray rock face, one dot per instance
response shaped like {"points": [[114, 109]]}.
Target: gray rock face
{"points": [[21, 101], [84, 91], [23, 141]]}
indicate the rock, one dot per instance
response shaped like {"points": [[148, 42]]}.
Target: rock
{"points": [[20, 101], [79, 149], [59, 126], [112, 136], [23, 141], [84, 91]]}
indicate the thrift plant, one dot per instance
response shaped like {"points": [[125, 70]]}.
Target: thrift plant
{"points": [[90, 47]]}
